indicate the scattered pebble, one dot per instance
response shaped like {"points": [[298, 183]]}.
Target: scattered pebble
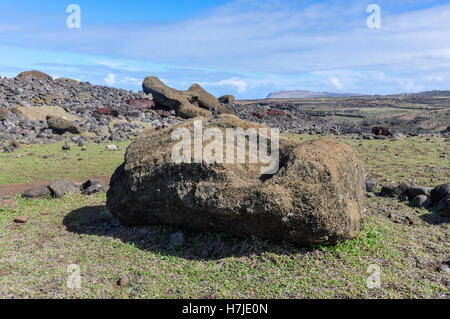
{"points": [[21, 219]]}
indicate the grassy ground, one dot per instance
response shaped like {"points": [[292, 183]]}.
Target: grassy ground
{"points": [[79, 230], [44, 162]]}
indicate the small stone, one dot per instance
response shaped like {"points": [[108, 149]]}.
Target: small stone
{"points": [[92, 187], [371, 186], [21, 219], [9, 149], [37, 192], [123, 281], [444, 268]]}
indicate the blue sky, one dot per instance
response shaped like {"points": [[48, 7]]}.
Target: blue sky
{"points": [[248, 48]]}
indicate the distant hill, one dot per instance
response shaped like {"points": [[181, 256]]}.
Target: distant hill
{"points": [[307, 94], [433, 93]]}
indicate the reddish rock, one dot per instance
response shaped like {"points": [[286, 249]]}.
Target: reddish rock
{"points": [[141, 104], [381, 131], [275, 112], [257, 115], [15, 144], [106, 111]]}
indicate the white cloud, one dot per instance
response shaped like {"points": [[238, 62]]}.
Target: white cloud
{"points": [[239, 84], [110, 79], [130, 80], [434, 78], [337, 83]]}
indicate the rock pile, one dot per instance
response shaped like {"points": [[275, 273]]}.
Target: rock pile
{"points": [[316, 196], [60, 188], [107, 113], [289, 118], [418, 196]]}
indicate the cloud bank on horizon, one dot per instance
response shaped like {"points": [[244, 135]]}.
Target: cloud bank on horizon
{"points": [[244, 47]]}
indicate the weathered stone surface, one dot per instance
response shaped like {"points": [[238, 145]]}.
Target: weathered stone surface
{"points": [[141, 104], [316, 196], [418, 190], [61, 125], [92, 187], [444, 205], [167, 97], [3, 114], [30, 75], [61, 187], [227, 99], [371, 186], [196, 94], [404, 187], [37, 192], [204, 99], [440, 192], [40, 113], [72, 81], [421, 201], [390, 191]]}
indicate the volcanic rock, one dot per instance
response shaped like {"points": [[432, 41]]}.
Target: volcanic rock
{"points": [[227, 99], [439, 192], [3, 114], [37, 192], [421, 201], [316, 196], [92, 187], [169, 98], [60, 125], [31, 75], [62, 187]]}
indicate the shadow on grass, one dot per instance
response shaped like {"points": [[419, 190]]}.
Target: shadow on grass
{"points": [[97, 220], [435, 217]]}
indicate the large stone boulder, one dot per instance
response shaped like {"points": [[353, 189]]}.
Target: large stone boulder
{"points": [[170, 98], [204, 99], [60, 125], [316, 196], [227, 99], [40, 113], [60, 188], [30, 75], [196, 94]]}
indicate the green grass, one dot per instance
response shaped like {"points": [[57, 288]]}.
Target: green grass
{"points": [[48, 161], [79, 230]]}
